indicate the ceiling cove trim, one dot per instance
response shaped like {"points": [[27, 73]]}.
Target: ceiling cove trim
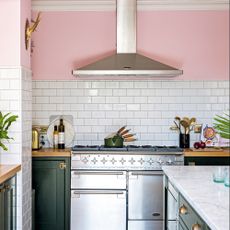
{"points": [[145, 5]]}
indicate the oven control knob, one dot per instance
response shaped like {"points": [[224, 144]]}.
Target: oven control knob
{"points": [[160, 162], [169, 162]]}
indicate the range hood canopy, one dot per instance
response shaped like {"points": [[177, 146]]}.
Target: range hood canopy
{"points": [[126, 61]]}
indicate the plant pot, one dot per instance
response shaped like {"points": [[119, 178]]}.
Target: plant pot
{"points": [[114, 141], [184, 140]]}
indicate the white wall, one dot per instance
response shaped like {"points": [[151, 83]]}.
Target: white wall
{"points": [[16, 97], [147, 107]]}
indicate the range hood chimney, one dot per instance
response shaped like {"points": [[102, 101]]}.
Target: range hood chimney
{"points": [[126, 62]]}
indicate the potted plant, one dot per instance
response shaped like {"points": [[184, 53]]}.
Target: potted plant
{"points": [[5, 122], [222, 125]]}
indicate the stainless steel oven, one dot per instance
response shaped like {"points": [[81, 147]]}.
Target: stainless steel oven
{"points": [[119, 189], [98, 200], [145, 199]]}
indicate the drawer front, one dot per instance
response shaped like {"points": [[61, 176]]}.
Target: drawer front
{"points": [[98, 210], [98, 179], [145, 225], [182, 226], [188, 215]]}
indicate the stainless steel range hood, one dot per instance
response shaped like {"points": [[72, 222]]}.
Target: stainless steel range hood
{"points": [[126, 62]]}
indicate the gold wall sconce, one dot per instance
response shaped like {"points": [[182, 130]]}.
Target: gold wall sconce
{"points": [[30, 28]]}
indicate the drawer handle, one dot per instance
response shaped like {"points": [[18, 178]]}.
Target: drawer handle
{"points": [[183, 210], [196, 227], [99, 173], [7, 187], [156, 214]]}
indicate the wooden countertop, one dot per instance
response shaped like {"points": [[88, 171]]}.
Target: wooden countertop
{"points": [[50, 152], [8, 171], [207, 152]]}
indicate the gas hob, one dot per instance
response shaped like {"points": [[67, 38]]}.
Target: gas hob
{"points": [[128, 148]]}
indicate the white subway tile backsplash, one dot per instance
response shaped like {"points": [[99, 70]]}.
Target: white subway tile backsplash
{"points": [[140, 84], [119, 92], [133, 92], [127, 84], [77, 92], [4, 84], [126, 99], [133, 107], [112, 84], [98, 85], [98, 100], [147, 107], [197, 84]]}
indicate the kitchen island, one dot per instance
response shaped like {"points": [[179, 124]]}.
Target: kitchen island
{"points": [[196, 187]]}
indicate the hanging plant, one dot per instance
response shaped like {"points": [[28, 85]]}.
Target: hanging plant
{"points": [[222, 125], [5, 122]]}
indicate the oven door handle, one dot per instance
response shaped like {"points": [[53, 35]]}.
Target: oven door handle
{"points": [[146, 173], [99, 173], [98, 192]]}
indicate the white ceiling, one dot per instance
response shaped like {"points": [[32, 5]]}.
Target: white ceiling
{"points": [[110, 5]]}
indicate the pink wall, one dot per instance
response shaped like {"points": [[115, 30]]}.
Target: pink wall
{"points": [[13, 15], [9, 33], [25, 13], [195, 41]]}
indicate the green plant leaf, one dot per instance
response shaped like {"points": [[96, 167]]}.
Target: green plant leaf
{"points": [[222, 125], [3, 146], [5, 122]]}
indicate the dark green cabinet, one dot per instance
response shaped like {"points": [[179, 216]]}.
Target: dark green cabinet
{"points": [[51, 185], [8, 205], [188, 218], [206, 160]]}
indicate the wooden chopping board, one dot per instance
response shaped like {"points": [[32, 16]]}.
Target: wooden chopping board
{"points": [[208, 150]]}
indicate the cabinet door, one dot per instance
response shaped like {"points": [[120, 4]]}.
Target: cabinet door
{"points": [[2, 207], [145, 195], [48, 180], [8, 207]]}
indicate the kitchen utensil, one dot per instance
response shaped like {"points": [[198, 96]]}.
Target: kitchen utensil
{"points": [[124, 132], [69, 131], [178, 119], [177, 126], [185, 124], [114, 140], [35, 139], [130, 139], [128, 135], [174, 128], [121, 130]]}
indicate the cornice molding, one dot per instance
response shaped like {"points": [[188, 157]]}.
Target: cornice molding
{"points": [[145, 5]]}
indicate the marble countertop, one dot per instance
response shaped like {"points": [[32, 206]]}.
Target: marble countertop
{"points": [[210, 200], [8, 171]]}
